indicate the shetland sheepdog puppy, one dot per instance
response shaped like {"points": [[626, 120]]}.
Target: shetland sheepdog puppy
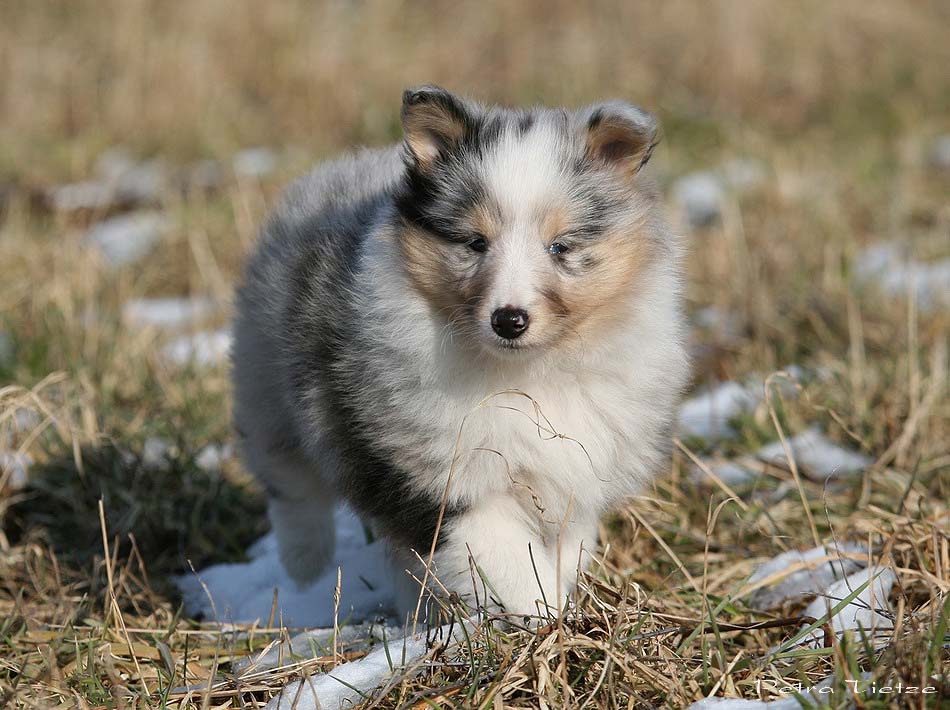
{"points": [[475, 338]]}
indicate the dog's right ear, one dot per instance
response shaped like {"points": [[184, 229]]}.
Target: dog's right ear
{"points": [[433, 123]]}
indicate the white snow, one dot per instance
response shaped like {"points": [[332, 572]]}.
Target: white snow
{"points": [[84, 195], [349, 683], [729, 472], [206, 348], [939, 155], [707, 415], [869, 611], [889, 266], [244, 592], [15, 467], [213, 456], [318, 642], [168, 313], [127, 238], [255, 162], [156, 453], [130, 180], [813, 451], [699, 196], [725, 324], [817, 574]]}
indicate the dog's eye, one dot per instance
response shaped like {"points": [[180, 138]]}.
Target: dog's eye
{"points": [[478, 244], [557, 248]]}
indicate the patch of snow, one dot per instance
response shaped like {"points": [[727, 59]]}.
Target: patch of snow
{"points": [[889, 265], [939, 155], [132, 181], [699, 196], [813, 451], [318, 642], [15, 467], [255, 162], [21, 420], [212, 457], [722, 322], [92, 195], [817, 574], [205, 349], [347, 684], [244, 592], [731, 473], [167, 313], [707, 415], [156, 453], [127, 238], [869, 611]]}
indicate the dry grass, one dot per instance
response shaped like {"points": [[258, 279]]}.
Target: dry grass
{"points": [[839, 101]]}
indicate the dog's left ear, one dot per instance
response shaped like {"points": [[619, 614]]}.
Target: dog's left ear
{"points": [[620, 136]]}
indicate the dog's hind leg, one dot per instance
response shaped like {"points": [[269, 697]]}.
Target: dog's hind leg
{"points": [[300, 507]]}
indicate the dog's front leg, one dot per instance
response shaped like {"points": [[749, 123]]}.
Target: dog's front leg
{"points": [[512, 563]]}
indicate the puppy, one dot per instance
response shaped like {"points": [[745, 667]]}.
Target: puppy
{"points": [[474, 338]]}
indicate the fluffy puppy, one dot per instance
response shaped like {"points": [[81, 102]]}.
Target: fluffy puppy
{"points": [[475, 338]]}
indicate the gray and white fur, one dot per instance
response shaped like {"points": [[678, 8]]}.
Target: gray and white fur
{"points": [[483, 322]]}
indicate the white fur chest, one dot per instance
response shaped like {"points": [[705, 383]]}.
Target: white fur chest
{"points": [[580, 429]]}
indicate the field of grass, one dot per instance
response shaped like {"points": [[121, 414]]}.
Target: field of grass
{"points": [[838, 104]]}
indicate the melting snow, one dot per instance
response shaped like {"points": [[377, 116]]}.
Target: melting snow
{"points": [[815, 452], [244, 592], [318, 642], [84, 195], [817, 574], [707, 415], [205, 348], [14, 468], [156, 453], [213, 456], [890, 267], [128, 238], [939, 155], [169, 313], [349, 683], [869, 611], [699, 196], [255, 162], [729, 472]]}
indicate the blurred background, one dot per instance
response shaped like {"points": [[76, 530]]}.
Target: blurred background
{"points": [[805, 155]]}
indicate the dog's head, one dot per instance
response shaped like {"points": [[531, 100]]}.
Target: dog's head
{"points": [[526, 228]]}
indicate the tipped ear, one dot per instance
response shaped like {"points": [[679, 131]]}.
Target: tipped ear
{"points": [[621, 136], [433, 122]]}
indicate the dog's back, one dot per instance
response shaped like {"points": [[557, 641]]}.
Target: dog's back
{"points": [[308, 244]]}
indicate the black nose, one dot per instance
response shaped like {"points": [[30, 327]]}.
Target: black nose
{"points": [[509, 322]]}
